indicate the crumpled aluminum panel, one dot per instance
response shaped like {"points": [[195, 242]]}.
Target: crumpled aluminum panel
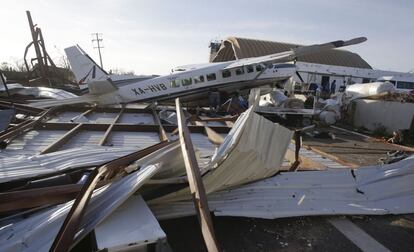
{"points": [[375, 190], [254, 149]]}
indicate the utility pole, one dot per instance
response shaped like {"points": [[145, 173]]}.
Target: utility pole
{"points": [[98, 41]]}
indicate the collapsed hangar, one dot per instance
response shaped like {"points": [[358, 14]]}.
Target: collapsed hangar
{"points": [[233, 48]]}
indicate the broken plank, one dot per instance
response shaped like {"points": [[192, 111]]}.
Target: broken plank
{"points": [[64, 139], [196, 184], [212, 135], [109, 129], [161, 132]]}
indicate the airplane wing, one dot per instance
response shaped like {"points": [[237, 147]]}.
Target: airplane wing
{"points": [[99, 87], [294, 53]]}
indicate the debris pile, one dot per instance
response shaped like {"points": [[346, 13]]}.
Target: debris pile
{"points": [[55, 195]]}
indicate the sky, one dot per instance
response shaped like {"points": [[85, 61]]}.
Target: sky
{"points": [[153, 36]]}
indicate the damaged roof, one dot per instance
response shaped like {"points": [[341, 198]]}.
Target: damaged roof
{"points": [[233, 48]]}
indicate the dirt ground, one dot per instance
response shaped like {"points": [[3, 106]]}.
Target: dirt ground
{"points": [[289, 234]]}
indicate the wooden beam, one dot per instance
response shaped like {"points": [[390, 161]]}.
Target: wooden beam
{"points": [[66, 234], [87, 112], [298, 144], [196, 184], [218, 119], [76, 108], [127, 127], [109, 130], [175, 180], [11, 133], [21, 108], [330, 156], [161, 132], [61, 141], [51, 195], [305, 162], [213, 136]]}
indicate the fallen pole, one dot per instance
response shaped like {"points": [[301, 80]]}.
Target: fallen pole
{"points": [[196, 184]]}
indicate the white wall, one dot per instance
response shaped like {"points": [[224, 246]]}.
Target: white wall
{"points": [[393, 115]]}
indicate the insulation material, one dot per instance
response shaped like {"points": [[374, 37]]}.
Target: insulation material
{"points": [[254, 149], [375, 190]]}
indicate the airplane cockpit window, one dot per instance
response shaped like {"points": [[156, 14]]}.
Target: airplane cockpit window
{"points": [[186, 82], [175, 83], [199, 79], [226, 74], [249, 69], [211, 77], [239, 71], [259, 68]]}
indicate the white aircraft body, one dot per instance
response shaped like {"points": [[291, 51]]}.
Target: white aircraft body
{"points": [[196, 80]]}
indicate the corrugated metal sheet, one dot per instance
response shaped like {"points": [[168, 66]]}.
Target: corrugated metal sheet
{"points": [[31, 143], [254, 149], [133, 139], [37, 232], [65, 116], [318, 158], [131, 226], [96, 117], [84, 138], [21, 160], [238, 48], [19, 167], [104, 118], [204, 148], [374, 190], [137, 118]]}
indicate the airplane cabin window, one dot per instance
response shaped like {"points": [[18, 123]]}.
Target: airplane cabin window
{"points": [[199, 79], [186, 82], [175, 83], [239, 71], [211, 77], [250, 69], [226, 74], [405, 85], [259, 68]]}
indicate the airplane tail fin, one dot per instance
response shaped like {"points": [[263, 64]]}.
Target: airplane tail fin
{"points": [[83, 66]]}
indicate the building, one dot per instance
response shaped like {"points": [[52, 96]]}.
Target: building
{"points": [[341, 65]]}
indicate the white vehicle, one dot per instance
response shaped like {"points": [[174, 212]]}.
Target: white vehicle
{"points": [[196, 80]]}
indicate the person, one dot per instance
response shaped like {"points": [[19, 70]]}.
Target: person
{"points": [[313, 86], [214, 97], [325, 90], [343, 87], [333, 87]]}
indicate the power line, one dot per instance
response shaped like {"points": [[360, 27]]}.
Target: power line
{"points": [[98, 39]]}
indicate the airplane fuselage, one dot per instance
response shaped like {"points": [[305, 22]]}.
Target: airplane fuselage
{"points": [[196, 81]]}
